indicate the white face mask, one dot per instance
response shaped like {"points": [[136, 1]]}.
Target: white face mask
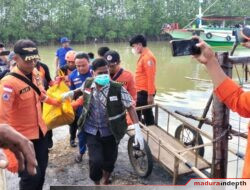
{"points": [[133, 50]]}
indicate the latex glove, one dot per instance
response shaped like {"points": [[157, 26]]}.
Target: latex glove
{"points": [[66, 95], [138, 135]]}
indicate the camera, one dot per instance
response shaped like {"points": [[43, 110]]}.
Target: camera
{"points": [[185, 47]]}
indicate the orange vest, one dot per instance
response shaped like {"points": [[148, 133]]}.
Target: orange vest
{"points": [[145, 72], [21, 105], [128, 81]]}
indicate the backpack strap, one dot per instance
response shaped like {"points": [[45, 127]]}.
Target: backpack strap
{"points": [[118, 74], [27, 81]]}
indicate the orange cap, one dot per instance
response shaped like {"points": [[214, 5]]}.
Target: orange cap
{"points": [[70, 55]]}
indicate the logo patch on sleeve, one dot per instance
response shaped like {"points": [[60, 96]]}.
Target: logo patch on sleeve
{"points": [[87, 90], [150, 63], [6, 96], [7, 88]]}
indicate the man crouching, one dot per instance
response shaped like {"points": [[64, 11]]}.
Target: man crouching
{"points": [[103, 119]]}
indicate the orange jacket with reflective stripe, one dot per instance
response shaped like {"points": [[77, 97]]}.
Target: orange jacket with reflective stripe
{"points": [[21, 106], [145, 72], [237, 100], [128, 81]]}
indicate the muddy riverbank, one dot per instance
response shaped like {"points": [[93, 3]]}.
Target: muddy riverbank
{"points": [[62, 169]]}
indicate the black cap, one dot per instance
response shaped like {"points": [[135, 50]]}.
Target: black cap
{"points": [[26, 49], [246, 32], [112, 57]]}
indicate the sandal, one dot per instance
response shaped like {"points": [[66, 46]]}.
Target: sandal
{"points": [[78, 158]]}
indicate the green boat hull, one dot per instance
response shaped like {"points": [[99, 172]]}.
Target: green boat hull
{"points": [[215, 40], [219, 43]]}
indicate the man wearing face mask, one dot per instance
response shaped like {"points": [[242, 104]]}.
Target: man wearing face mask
{"points": [[103, 120], [144, 77]]}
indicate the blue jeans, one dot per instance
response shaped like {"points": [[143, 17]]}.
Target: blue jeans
{"points": [[82, 141]]}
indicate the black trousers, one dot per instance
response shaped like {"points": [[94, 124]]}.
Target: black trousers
{"points": [[49, 136], [102, 155], [73, 129], [36, 182], [142, 100]]}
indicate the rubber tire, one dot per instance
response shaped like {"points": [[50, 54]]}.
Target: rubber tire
{"points": [[178, 131], [209, 35], [148, 154], [228, 38]]}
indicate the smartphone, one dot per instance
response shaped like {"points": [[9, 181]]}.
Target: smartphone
{"points": [[4, 53], [185, 47]]}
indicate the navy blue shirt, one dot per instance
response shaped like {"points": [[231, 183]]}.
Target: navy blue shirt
{"points": [[76, 80], [60, 53]]}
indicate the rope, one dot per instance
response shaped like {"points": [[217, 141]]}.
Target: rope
{"points": [[238, 75], [223, 134]]}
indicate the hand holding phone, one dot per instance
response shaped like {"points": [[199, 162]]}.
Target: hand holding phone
{"points": [[4, 53], [185, 47]]}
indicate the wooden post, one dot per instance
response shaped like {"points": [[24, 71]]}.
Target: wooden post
{"points": [[156, 114], [2, 180], [220, 120], [176, 170]]}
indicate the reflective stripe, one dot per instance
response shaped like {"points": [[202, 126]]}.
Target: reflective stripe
{"points": [[117, 116]]}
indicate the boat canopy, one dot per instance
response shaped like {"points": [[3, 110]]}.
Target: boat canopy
{"points": [[226, 18]]}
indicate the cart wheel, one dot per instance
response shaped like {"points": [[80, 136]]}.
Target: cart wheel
{"points": [[187, 137], [141, 161]]}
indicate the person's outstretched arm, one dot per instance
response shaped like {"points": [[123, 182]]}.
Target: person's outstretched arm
{"points": [[227, 90]]}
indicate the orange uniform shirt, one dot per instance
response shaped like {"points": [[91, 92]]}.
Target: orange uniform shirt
{"points": [[21, 106], [128, 81], [145, 72], [237, 100]]}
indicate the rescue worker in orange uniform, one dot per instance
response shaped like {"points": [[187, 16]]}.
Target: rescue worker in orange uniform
{"points": [[227, 91], [21, 108], [144, 77], [121, 75]]}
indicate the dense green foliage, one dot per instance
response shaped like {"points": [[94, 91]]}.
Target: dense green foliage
{"points": [[45, 21]]}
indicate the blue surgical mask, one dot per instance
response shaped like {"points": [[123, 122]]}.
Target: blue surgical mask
{"points": [[102, 79]]}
